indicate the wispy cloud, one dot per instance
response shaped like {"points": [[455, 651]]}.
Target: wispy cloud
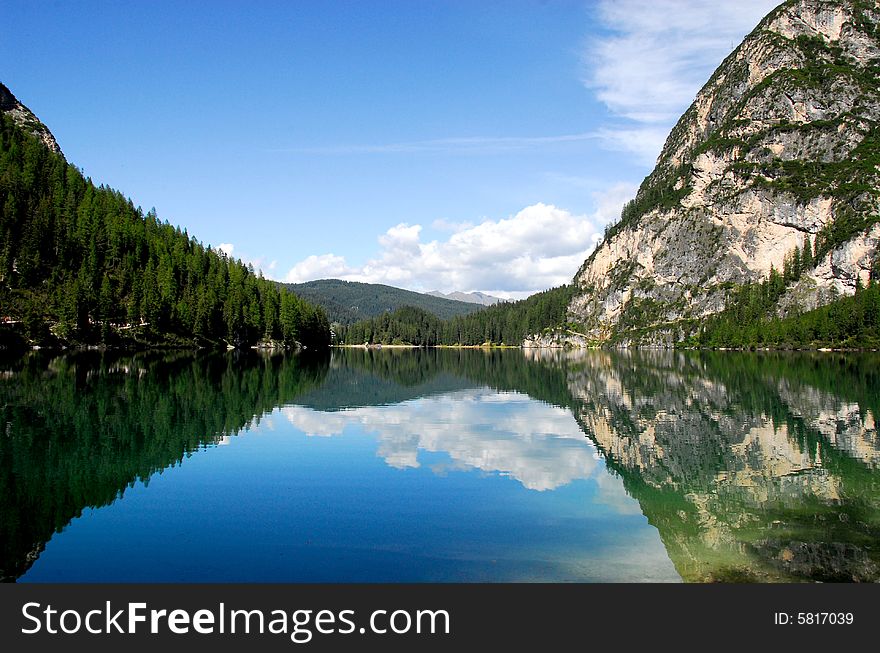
{"points": [[539, 247], [643, 142], [653, 57], [454, 145]]}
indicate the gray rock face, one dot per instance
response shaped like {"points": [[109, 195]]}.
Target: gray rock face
{"points": [[26, 119], [779, 145]]}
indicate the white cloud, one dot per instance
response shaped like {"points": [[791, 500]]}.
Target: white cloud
{"points": [[324, 266], [653, 58], [260, 265], [226, 248], [540, 446], [539, 247]]}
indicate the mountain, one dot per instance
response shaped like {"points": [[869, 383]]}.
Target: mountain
{"points": [[25, 119], [470, 297], [347, 302], [81, 265], [505, 323], [765, 194]]}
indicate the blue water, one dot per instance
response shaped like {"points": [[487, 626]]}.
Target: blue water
{"points": [[467, 485]]}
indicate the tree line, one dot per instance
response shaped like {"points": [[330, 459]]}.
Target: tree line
{"points": [[81, 263], [507, 323], [748, 319]]}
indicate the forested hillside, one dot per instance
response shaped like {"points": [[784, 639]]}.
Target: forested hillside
{"points": [[349, 301], [509, 323], [849, 322], [79, 263]]}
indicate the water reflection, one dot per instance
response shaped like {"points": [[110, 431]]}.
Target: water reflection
{"points": [[82, 428], [540, 446], [751, 467]]}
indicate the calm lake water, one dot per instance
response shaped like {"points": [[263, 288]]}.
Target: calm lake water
{"points": [[440, 465]]}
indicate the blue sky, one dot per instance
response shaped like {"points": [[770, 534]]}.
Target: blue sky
{"points": [[427, 145]]}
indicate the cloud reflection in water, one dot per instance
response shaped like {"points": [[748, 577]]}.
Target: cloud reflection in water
{"points": [[539, 445]]}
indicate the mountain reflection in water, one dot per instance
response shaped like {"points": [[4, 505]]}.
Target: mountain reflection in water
{"points": [[751, 467]]}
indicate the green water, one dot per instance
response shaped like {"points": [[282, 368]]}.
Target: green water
{"points": [[440, 465]]}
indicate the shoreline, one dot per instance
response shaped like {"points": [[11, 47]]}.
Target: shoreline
{"points": [[751, 350], [436, 347], [141, 347]]}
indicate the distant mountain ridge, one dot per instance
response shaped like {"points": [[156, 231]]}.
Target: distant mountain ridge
{"points": [[347, 302], [475, 297]]}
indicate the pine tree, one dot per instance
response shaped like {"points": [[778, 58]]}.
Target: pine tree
{"points": [[807, 256]]}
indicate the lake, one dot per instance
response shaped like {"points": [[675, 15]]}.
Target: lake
{"points": [[440, 465]]}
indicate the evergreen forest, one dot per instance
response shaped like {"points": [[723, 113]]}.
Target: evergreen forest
{"points": [[80, 264], [501, 324], [750, 319]]}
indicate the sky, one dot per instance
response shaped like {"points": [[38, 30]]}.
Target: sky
{"points": [[426, 145]]}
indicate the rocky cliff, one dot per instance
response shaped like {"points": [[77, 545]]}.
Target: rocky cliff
{"points": [[25, 118], [779, 153]]}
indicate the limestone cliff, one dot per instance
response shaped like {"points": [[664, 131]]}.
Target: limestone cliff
{"points": [[780, 150], [25, 118]]}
